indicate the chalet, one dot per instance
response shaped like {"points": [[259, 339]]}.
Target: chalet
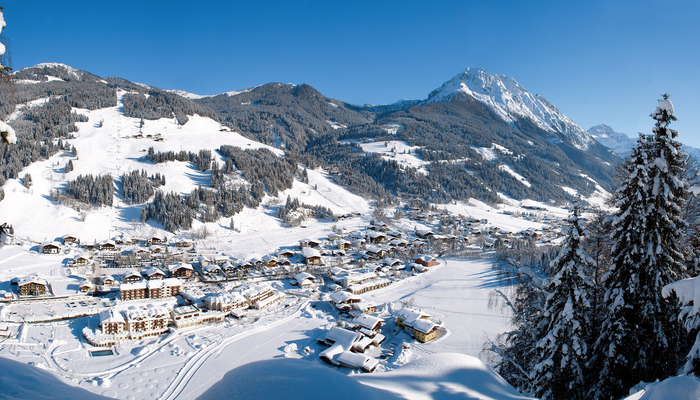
{"points": [[312, 256], [108, 246], [269, 260], [376, 252], [283, 261], [374, 237], [211, 270], [154, 273], [333, 237], [85, 286], [154, 241], [396, 234], [286, 254], [204, 260], [112, 322], [424, 330], [368, 322], [180, 270], [81, 260], [301, 276], [221, 259], [245, 265], [343, 300], [155, 249], [393, 263], [70, 239], [419, 267], [504, 233], [425, 260], [107, 280], [50, 248], [407, 316], [440, 239], [228, 268], [363, 307], [32, 285], [127, 240], [424, 233], [343, 245], [379, 227], [342, 341], [352, 360], [131, 276], [183, 244], [417, 324], [400, 243]]}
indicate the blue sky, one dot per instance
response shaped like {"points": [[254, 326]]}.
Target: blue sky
{"points": [[597, 61]]}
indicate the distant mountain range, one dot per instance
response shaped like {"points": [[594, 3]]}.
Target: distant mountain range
{"points": [[478, 136], [622, 144]]}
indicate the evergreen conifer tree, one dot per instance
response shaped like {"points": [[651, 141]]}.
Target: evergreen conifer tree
{"points": [[563, 347], [640, 332]]}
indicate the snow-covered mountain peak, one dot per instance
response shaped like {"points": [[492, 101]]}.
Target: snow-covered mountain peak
{"points": [[67, 68], [511, 101], [620, 143], [603, 131]]}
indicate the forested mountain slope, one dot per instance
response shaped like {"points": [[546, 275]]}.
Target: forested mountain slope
{"points": [[478, 136]]}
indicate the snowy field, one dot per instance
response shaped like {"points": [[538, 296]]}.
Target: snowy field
{"points": [[396, 150]]}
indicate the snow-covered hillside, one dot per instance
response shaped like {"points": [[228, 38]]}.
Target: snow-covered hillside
{"points": [[113, 148], [511, 101]]}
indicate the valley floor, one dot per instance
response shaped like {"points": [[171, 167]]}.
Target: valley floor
{"points": [[184, 365]]}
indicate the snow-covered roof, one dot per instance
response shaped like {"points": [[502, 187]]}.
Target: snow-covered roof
{"points": [[146, 312], [422, 325], [154, 271], [343, 337], [111, 315], [308, 252], [409, 314], [357, 360], [178, 265], [184, 310], [135, 285], [225, 299], [343, 297], [304, 275], [256, 289], [368, 321], [31, 279]]}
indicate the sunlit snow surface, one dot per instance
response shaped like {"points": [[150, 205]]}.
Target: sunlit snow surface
{"points": [[396, 150]]}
